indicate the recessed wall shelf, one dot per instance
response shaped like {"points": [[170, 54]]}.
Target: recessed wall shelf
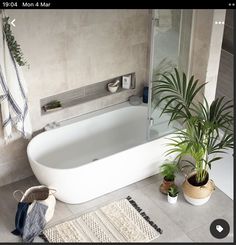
{"points": [[85, 94]]}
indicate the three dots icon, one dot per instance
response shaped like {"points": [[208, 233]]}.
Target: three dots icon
{"points": [[231, 4], [219, 22]]}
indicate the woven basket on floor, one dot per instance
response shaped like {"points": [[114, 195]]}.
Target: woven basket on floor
{"points": [[41, 194]]}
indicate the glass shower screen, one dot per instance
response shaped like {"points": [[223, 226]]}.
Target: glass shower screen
{"points": [[165, 56]]}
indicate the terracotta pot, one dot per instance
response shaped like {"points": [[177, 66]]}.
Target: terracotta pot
{"points": [[165, 186], [197, 195]]}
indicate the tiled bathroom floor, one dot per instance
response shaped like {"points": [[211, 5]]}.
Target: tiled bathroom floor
{"points": [[181, 222]]}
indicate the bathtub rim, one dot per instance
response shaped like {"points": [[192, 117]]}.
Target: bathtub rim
{"points": [[87, 116], [77, 119], [88, 163]]}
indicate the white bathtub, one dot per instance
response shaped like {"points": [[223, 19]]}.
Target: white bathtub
{"points": [[94, 156]]}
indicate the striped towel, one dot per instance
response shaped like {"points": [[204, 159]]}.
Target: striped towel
{"points": [[13, 94]]}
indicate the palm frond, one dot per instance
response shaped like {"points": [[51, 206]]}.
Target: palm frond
{"points": [[203, 122]]}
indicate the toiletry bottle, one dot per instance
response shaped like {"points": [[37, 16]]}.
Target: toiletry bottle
{"points": [[145, 94]]}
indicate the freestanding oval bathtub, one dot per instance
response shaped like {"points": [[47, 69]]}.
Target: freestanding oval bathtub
{"points": [[94, 156]]}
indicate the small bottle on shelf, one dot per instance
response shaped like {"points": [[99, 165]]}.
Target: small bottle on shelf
{"points": [[145, 94]]}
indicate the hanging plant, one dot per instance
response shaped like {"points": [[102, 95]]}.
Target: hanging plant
{"points": [[13, 46]]}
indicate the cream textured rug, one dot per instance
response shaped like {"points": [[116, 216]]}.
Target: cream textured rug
{"points": [[119, 221]]}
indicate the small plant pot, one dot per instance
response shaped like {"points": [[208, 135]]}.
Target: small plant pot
{"points": [[171, 199], [165, 186]]}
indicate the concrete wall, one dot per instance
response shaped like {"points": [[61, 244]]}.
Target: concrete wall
{"points": [[206, 48], [225, 80], [184, 46], [67, 49]]}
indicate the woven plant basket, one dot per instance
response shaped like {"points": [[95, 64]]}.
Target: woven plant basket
{"points": [[197, 195]]}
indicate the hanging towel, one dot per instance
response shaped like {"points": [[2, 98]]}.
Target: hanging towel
{"points": [[35, 222], [20, 218], [13, 93]]}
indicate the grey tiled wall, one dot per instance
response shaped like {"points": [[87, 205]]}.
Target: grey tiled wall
{"points": [[225, 77], [228, 31], [225, 81]]}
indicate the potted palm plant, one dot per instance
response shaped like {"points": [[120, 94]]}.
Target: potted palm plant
{"points": [[172, 194], [207, 130], [168, 171]]}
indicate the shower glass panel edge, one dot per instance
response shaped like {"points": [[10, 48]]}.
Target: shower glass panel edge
{"points": [[168, 30]]}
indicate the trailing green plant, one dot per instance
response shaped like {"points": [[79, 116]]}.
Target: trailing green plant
{"points": [[173, 191], [52, 105], [13, 46], [202, 123], [168, 170]]}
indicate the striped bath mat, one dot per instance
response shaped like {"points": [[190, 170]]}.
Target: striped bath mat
{"points": [[119, 221]]}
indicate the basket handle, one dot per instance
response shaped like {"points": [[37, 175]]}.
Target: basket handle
{"points": [[52, 191], [15, 195], [18, 198]]}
